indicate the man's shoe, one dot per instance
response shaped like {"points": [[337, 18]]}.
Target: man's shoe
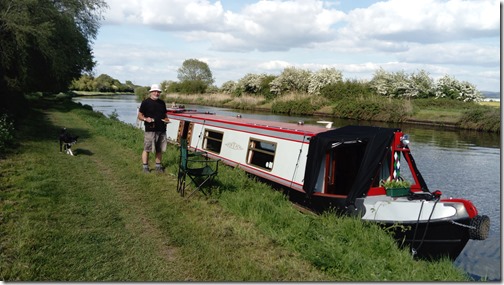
{"points": [[159, 169], [146, 170]]}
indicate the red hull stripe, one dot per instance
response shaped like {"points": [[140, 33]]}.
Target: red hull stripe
{"points": [[469, 206]]}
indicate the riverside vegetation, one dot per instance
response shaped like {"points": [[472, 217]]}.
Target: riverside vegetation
{"points": [[483, 116], [97, 217], [388, 97]]}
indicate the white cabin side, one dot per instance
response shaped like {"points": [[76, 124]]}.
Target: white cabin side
{"points": [[265, 153]]}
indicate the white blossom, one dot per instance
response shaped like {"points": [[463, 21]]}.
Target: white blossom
{"points": [[322, 78]]}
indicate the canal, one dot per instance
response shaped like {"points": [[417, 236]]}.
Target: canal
{"points": [[461, 164]]}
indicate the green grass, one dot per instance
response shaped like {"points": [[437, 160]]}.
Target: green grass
{"points": [[438, 115], [495, 104], [96, 93], [97, 217]]}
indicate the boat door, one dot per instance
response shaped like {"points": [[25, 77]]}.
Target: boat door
{"points": [[342, 164], [185, 131]]}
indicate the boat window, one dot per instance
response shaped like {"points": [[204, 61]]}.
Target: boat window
{"points": [[212, 141], [261, 153]]}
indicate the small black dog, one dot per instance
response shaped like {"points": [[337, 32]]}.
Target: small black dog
{"points": [[66, 141]]}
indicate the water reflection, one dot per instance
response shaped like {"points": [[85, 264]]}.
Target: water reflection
{"points": [[124, 105], [460, 139]]}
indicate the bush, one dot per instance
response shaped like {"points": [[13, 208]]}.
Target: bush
{"points": [[481, 118], [299, 106], [141, 92], [265, 88], [212, 89], [373, 110], [443, 103], [323, 78], [228, 87], [188, 87], [346, 89], [6, 132], [63, 96]]}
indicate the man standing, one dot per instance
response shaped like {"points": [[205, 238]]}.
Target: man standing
{"points": [[153, 112]]}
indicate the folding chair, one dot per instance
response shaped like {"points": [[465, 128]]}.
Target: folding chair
{"points": [[197, 166]]}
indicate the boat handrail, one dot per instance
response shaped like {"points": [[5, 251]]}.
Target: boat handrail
{"points": [[328, 124]]}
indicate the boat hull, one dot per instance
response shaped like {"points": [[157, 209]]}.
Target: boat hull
{"points": [[432, 240], [425, 239]]}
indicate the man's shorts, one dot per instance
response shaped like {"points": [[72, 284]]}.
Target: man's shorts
{"points": [[155, 140]]}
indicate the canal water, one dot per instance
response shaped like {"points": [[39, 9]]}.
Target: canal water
{"points": [[461, 164]]}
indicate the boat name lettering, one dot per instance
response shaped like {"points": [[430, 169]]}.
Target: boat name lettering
{"points": [[233, 145]]}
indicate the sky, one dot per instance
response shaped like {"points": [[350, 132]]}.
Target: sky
{"points": [[146, 41]]}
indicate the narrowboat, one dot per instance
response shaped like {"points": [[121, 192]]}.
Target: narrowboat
{"points": [[345, 169]]}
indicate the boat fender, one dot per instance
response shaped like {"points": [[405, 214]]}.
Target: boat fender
{"points": [[358, 209], [480, 227], [421, 196]]}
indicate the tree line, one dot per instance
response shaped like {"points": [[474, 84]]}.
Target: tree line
{"points": [[46, 44], [195, 77], [102, 83], [329, 83]]}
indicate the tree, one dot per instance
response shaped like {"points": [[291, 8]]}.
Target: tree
{"points": [[381, 82], [46, 44], [229, 87], [323, 78], [251, 83], [399, 84], [422, 85], [195, 70], [103, 83], [291, 80], [84, 83], [449, 87], [165, 85]]}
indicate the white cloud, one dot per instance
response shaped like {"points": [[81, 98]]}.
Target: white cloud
{"points": [[425, 21], [265, 25], [167, 15], [265, 36], [274, 65], [453, 53]]}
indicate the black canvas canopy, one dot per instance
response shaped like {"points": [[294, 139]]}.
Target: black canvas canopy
{"points": [[377, 140]]}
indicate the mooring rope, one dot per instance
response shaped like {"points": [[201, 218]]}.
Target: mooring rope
{"points": [[414, 251], [297, 162], [199, 136], [462, 225]]}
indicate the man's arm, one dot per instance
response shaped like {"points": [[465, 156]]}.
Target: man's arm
{"points": [[141, 117]]}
